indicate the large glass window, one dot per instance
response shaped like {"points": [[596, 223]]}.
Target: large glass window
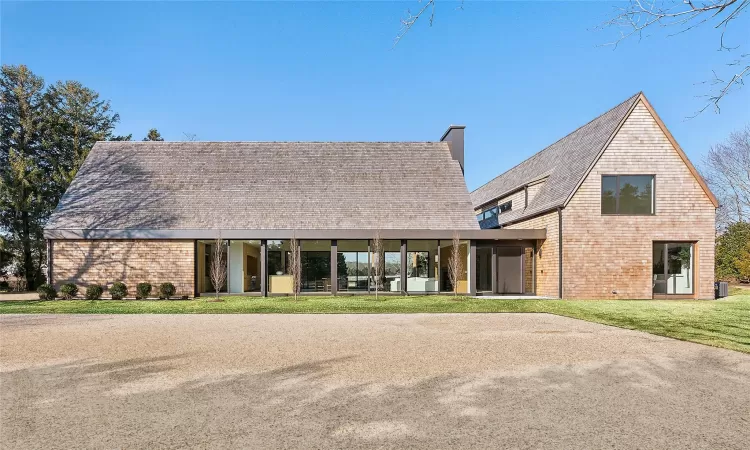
{"points": [[422, 272], [628, 194], [673, 268], [353, 265], [244, 266], [206, 256], [316, 266], [391, 266], [279, 278]]}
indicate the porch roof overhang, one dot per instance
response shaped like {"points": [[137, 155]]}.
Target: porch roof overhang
{"points": [[492, 234]]}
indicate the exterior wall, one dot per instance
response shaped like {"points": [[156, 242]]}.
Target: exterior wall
{"points": [[611, 256], [518, 199], [547, 264], [535, 188], [85, 262]]}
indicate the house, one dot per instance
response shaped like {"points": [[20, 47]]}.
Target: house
{"points": [[626, 213], [614, 209], [152, 212]]}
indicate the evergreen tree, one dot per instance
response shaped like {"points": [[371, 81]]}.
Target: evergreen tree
{"points": [[153, 135], [21, 168], [45, 135]]}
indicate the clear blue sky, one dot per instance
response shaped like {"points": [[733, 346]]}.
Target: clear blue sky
{"points": [[519, 75]]}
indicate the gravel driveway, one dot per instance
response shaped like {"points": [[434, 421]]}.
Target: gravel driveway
{"points": [[355, 381]]}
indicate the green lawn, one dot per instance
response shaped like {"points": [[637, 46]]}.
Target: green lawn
{"points": [[721, 323]]}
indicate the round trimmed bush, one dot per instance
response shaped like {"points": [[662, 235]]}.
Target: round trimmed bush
{"points": [[68, 291], [46, 292], [94, 292], [118, 291], [167, 290], [143, 290]]}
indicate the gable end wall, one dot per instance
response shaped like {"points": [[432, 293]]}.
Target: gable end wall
{"points": [[611, 256]]}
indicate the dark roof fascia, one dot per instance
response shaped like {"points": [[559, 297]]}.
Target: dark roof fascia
{"points": [[496, 234], [520, 188], [533, 215]]}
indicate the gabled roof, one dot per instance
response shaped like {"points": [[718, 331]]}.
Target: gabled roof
{"points": [[266, 185], [564, 164]]}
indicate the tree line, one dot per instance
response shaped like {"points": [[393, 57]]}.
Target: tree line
{"points": [[46, 132]]}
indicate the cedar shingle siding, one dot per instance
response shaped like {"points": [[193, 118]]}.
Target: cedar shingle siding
{"points": [[606, 254], [267, 185], [87, 262], [609, 256]]}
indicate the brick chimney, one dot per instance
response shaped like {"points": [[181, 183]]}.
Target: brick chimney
{"points": [[454, 136]]}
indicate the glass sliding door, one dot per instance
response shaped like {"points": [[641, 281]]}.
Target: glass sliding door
{"points": [[422, 266], [392, 266], [353, 265], [316, 266], [673, 268]]}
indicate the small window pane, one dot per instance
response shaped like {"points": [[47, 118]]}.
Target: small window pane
{"points": [[609, 190], [636, 194]]}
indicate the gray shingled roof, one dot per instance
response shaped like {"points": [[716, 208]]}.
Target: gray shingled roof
{"points": [[564, 163], [267, 185]]}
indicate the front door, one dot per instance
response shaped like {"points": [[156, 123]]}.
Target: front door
{"points": [[510, 270]]}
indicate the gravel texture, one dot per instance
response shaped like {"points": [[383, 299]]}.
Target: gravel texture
{"points": [[362, 381]]}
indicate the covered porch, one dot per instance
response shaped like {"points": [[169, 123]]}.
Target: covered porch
{"points": [[342, 262]]}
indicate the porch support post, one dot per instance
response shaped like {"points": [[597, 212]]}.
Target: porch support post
{"points": [[493, 268], [334, 266], [471, 269], [195, 269], [403, 266], [263, 268]]}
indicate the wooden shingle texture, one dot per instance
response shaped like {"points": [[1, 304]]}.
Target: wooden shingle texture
{"points": [[564, 163], [267, 185]]}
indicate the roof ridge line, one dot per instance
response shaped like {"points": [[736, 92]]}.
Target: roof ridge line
{"points": [[550, 145]]}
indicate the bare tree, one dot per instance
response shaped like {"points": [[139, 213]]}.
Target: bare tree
{"points": [[295, 266], [427, 8], [218, 269], [640, 16], [455, 264], [378, 261], [727, 172]]}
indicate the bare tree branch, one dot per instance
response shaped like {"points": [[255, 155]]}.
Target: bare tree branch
{"points": [[639, 16], [408, 22], [455, 264], [295, 266], [726, 169], [218, 269], [190, 137], [378, 261]]}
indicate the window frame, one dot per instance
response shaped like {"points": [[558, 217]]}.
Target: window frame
{"points": [[617, 194], [500, 209]]}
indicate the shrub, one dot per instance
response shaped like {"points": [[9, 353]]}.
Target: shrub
{"points": [[4, 285], [118, 291], [167, 290], [143, 290], [68, 291], [94, 292], [46, 292]]}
